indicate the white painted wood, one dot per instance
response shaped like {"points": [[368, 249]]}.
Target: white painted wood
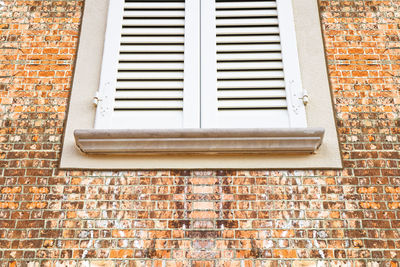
{"points": [[155, 14], [247, 22], [251, 80], [249, 48], [154, 5], [152, 57], [109, 65], [293, 80], [149, 104], [247, 13], [248, 39], [209, 101], [150, 85], [246, 4], [156, 75], [264, 65], [153, 31], [248, 94], [250, 104], [149, 94], [148, 71], [191, 98], [154, 22], [250, 75], [144, 119], [267, 119], [152, 40], [249, 56], [251, 84], [248, 30], [196, 60], [151, 48], [151, 66]]}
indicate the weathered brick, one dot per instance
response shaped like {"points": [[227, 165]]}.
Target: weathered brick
{"points": [[199, 218]]}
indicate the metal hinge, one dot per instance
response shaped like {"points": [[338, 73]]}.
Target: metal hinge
{"points": [[305, 97], [97, 98]]}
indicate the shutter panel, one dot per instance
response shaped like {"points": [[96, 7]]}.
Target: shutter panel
{"points": [[151, 80], [254, 79]]}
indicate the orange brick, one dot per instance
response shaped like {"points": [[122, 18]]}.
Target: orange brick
{"points": [[121, 254], [118, 214], [283, 233], [283, 253]]}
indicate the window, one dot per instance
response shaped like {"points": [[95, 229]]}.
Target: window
{"points": [[231, 69], [200, 64]]}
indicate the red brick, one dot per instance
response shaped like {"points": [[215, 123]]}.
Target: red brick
{"points": [[153, 215]]}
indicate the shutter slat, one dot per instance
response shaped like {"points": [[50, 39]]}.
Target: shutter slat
{"points": [[149, 104], [247, 22], [250, 75], [249, 56], [252, 104], [249, 48], [154, 22], [154, 14], [150, 85], [250, 84], [247, 30], [151, 66], [151, 57], [153, 40], [149, 48], [250, 65], [248, 39], [149, 94], [246, 13], [136, 75], [246, 94], [154, 5], [153, 31], [245, 5]]}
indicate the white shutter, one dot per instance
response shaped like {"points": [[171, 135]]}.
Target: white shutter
{"points": [[252, 76], [150, 72]]}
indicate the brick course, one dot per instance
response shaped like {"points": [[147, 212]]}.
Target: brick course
{"points": [[50, 217]]}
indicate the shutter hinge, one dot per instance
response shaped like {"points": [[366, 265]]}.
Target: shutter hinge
{"points": [[305, 97], [97, 98]]}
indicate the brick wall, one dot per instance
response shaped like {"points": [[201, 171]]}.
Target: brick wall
{"points": [[50, 217]]}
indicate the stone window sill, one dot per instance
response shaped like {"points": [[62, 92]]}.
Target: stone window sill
{"points": [[199, 141]]}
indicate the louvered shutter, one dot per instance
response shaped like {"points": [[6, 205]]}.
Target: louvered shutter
{"points": [[150, 71], [250, 68]]}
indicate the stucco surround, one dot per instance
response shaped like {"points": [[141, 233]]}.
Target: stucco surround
{"points": [[315, 80]]}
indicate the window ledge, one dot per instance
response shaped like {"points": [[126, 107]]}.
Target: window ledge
{"points": [[199, 141]]}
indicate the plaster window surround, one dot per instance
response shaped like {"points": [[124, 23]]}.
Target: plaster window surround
{"points": [[205, 85]]}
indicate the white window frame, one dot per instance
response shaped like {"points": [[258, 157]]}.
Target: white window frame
{"points": [[314, 74]]}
